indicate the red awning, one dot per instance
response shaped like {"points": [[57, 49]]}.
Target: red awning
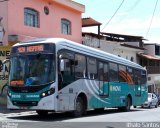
{"points": [[149, 57], [86, 22]]}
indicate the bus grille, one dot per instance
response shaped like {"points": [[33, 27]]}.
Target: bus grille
{"points": [[25, 103]]}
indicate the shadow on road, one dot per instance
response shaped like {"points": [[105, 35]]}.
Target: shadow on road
{"points": [[63, 116]]}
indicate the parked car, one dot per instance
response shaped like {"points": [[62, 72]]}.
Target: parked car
{"points": [[151, 101]]}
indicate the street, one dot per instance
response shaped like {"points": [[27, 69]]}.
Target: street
{"points": [[108, 119]]}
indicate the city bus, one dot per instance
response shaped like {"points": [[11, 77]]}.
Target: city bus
{"points": [[58, 75]]}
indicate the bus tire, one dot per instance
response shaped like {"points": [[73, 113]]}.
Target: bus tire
{"points": [[127, 108], [79, 108], [42, 112]]}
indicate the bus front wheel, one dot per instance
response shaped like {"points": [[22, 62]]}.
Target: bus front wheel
{"points": [[79, 107]]}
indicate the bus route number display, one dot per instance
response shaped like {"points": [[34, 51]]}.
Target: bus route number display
{"points": [[36, 48]]}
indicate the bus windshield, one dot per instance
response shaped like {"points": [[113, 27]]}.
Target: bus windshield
{"points": [[32, 69]]}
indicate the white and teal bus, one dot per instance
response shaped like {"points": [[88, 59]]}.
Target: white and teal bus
{"points": [[58, 75]]}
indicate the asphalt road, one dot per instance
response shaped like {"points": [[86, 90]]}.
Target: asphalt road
{"points": [[110, 118]]}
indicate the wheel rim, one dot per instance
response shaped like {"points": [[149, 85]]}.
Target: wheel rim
{"points": [[79, 106]]}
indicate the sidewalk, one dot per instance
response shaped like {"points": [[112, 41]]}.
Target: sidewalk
{"points": [[3, 102], [3, 108]]}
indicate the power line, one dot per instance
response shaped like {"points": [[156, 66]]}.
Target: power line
{"points": [[129, 10], [113, 14], [134, 5], [152, 18]]}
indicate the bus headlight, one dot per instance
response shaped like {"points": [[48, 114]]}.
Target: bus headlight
{"points": [[9, 93], [48, 92]]}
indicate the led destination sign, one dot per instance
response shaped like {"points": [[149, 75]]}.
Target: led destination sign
{"points": [[36, 48], [48, 47]]}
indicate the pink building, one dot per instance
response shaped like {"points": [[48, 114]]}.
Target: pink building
{"points": [[25, 19]]}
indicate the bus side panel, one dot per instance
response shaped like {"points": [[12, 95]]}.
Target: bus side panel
{"points": [[68, 95]]}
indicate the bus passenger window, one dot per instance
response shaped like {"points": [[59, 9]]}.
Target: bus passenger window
{"points": [[123, 76], [100, 71], [80, 66], [105, 72], [143, 77], [113, 72], [137, 77], [130, 75], [92, 68]]}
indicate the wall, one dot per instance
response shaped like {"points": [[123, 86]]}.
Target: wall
{"points": [[50, 25], [150, 49], [112, 47], [116, 49], [4, 52], [4, 14]]}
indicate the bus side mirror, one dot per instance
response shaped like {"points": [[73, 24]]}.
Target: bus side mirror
{"points": [[62, 65]]}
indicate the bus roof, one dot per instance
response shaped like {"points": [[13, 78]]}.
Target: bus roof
{"points": [[85, 49]]}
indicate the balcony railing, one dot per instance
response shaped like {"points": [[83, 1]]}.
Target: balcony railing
{"points": [[153, 69]]}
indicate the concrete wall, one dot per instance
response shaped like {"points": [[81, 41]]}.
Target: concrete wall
{"points": [[150, 49], [124, 52], [112, 47]]}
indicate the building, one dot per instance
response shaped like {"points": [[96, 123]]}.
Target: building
{"points": [[26, 19], [151, 60], [121, 45], [126, 46]]}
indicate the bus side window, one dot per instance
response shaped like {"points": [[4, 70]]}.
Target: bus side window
{"points": [[92, 68], [123, 76], [80, 66], [106, 72], [103, 71], [130, 74], [143, 77], [113, 72], [68, 73], [100, 71], [137, 77]]}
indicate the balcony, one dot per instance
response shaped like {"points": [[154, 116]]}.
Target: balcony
{"points": [[153, 69]]}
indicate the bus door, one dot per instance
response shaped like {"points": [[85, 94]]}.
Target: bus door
{"points": [[65, 78], [137, 77], [103, 79]]}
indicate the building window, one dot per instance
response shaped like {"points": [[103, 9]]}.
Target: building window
{"points": [[132, 59], [31, 17], [157, 50], [66, 26]]}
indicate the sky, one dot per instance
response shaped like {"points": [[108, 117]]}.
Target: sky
{"points": [[133, 18]]}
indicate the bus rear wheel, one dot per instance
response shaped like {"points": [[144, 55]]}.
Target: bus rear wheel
{"points": [[42, 112], [79, 108], [128, 104], [126, 108]]}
